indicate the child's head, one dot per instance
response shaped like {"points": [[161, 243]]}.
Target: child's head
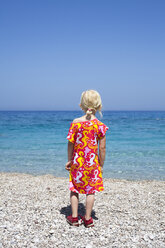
{"points": [[91, 102]]}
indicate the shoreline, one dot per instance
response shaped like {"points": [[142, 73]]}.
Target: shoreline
{"points": [[105, 179], [33, 210]]}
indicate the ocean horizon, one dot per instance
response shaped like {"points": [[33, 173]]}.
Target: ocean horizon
{"points": [[34, 141]]}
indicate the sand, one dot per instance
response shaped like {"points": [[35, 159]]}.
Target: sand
{"points": [[33, 212]]}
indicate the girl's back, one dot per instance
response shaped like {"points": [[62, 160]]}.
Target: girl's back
{"points": [[84, 163]]}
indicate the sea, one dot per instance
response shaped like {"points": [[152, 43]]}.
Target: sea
{"points": [[34, 142]]}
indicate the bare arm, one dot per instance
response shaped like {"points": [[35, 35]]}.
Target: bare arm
{"points": [[70, 154], [70, 150], [102, 150]]}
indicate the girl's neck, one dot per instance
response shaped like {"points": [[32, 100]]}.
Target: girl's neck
{"points": [[89, 117]]}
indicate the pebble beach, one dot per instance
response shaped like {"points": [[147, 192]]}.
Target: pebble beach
{"points": [[33, 212]]}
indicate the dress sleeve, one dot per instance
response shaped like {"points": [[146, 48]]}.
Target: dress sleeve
{"points": [[102, 128], [72, 133]]}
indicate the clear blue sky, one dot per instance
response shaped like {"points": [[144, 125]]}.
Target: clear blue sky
{"points": [[51, 51]]}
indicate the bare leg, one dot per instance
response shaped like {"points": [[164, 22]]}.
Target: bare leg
{"points": [[74, 198], [89, 205]]}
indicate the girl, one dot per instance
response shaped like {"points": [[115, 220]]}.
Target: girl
{"points": [[84, 163]]}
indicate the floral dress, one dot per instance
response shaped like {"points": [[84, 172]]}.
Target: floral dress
{"points": [[85, 173]]}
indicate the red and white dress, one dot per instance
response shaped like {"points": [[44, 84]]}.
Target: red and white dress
{"points": [[85, 174]]}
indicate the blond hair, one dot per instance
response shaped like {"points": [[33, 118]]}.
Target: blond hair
{"points": [[91, 102]]}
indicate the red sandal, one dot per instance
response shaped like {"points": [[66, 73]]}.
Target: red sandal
{"points": [[88, 223], [73, 221]]}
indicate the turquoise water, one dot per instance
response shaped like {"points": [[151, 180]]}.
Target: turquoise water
{"points": [[35, 142]]}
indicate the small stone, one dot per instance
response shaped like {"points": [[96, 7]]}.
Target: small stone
{"points": [[89, 246], [36, 240], [4, 226], [33, 246], [102, 238], [17, 237], [145, 237], [151, 236], [53, 239], [135, 239]]}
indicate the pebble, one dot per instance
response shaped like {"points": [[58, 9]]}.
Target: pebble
{"points": [[102, 238], [151, 236], [35, 240], [34, 215], [146, 237], [135, 239], [89, 246]]}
